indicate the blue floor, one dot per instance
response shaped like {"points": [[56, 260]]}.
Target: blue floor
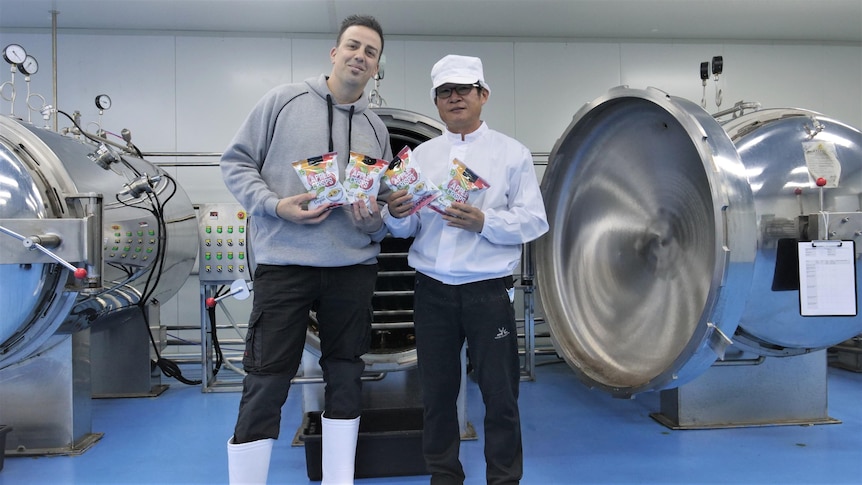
{"points": [[572, 435]]}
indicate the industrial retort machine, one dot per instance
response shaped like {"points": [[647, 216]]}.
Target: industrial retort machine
{"points": [[712, 258], [92, 239]]}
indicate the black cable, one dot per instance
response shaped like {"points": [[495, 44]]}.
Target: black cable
{"points": [[168, 367], [216, 346]]}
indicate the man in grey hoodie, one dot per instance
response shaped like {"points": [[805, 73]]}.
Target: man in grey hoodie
{"points": [[323, 259]]}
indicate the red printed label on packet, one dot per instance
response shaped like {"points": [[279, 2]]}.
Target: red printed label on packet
{"points": [[317, 180], [456, 191], [403, 175], [403, 178], [461, 184], [362, 177], [319, 175]]}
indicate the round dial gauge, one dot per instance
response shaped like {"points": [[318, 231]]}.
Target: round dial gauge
{"points": [[14, 54], [29, 66], [103, 101]]}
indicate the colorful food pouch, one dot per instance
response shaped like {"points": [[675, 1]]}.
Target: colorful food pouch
{"points": [[362, 177], [462, 182], [320, 176], [402, 175]]}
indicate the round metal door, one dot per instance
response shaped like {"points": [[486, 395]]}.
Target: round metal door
{"points": [[34, 300], [651, 241]]}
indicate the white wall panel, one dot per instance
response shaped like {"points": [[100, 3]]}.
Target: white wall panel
{"points": [[671, 67], [553, 81], [137, 72], [826, 79], [311, 58], [219, 80], [204, 184], [840, 82]]}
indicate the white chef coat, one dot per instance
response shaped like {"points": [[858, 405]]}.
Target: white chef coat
{"points": [[512, 204]]}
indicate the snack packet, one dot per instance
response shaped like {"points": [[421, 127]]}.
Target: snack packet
{"points": [[402, 175], [362, 177], [462, 181], [320, 176]]}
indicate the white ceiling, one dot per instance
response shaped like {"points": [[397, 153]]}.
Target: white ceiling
{"points": [[757, 20]]}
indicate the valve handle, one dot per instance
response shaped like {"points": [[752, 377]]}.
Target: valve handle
{"points": [[52, 240], [238, 289]]}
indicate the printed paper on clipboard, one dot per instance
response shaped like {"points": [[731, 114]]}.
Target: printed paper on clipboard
{"points": [[827, 278]]}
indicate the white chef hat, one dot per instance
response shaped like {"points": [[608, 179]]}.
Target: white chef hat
{"points": [[457, 70]]}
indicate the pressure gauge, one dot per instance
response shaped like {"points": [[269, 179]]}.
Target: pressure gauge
{"points": [[14, 54], [29, 66], [103, 101]]}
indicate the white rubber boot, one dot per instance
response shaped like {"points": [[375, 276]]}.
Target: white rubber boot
{"points": [[248, 463], [338, 450]]}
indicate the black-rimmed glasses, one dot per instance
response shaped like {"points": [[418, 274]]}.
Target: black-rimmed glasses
{"points": [[444, 92]]}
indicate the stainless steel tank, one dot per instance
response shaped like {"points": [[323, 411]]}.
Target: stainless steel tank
{"points": [[120, 218], [664, 229], [787, 202]]}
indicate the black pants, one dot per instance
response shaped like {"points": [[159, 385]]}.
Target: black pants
{"points": [[283, 297], [481, 313]]}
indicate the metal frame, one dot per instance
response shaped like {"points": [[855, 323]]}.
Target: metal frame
{"points": [[209, 381]]}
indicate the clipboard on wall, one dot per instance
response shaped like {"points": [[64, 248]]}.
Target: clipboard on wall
{"points": [[827, 278]]}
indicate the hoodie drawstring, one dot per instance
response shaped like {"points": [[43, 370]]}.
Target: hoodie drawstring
{"points": [[329, 112], [350, 128], [329, 105]]}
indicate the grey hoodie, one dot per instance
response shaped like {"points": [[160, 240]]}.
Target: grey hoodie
{"points": [[292, 122]]}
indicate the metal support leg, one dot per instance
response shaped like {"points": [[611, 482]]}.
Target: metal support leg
{"points": [[778, 391], [528, 370]]}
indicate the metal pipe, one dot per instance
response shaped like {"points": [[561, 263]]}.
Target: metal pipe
{"points": [[535, 320], [394, 293], [543, 156], [219, 154], [183, 154], [319, 380], [391, 325], [222, 341], [54, 14], [543, 335], [540, 351], [722, 363], [741, 107]]}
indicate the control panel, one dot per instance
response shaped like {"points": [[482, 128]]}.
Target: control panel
{"points": [[132, 243], [224, 252]]}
